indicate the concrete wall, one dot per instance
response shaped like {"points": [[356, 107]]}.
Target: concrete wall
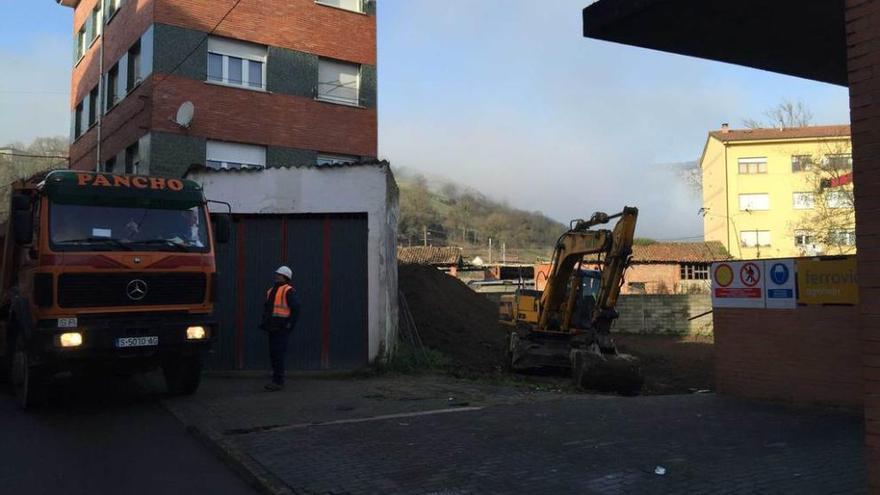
{"points": [[664, 314], [366, 189], [810, 355]]}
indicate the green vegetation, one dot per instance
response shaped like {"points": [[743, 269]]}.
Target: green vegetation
{"points": [[449, 215]]}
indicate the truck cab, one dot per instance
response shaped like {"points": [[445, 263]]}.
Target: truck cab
{"points": [[109, 274]]}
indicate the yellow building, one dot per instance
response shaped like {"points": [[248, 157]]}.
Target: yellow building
{"points": [[771, 193]]}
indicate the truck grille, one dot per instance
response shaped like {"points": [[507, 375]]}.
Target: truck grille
{"points": [[80, 290]]}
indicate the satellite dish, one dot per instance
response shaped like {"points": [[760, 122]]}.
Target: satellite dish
{"points": [[185, 114]]}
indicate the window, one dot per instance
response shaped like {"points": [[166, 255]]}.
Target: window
{"points": [[353, 5], [112, 88], [223, 155], [80, 44], [77, 121], [754, 202], [132, 158], [804, 238], [842, 237], [839, 162], [339, 82], [324, 159], [801, 163], [93, 106], [748, 166], [838, 199], [237, 63], [96, 22], [755, 238], [698, 271], [110, 165], [112, 8], [804, 200], [134, 66]]}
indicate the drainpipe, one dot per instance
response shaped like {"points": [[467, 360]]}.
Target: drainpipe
{"points": [[102, 103]]}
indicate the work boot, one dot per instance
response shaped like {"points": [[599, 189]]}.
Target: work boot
{"points": [[274, 387]]}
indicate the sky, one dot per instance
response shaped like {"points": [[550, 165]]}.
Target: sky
{"points": [[505, 96]]}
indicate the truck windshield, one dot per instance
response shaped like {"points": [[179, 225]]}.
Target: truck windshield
{"points": [[107, 228]]}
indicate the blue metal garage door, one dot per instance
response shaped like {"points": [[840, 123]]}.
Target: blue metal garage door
{"points": [[328, 256]]}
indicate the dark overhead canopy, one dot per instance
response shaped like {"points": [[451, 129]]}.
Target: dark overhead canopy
{"points": [[804, 38]]}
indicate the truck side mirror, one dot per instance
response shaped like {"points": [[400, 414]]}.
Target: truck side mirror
{"points": [[222, 227], [23, 226]]}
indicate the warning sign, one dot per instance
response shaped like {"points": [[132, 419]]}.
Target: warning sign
{"points": [[780, 284], [738, 284]]}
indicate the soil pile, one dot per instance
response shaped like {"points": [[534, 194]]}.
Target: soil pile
{"points": [[453, 319]]}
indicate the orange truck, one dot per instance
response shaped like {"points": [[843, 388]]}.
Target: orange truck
{"points": [[106, 273]]}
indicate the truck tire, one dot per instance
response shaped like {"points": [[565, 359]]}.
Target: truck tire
{"points": [[28, 382], [183, 374]]}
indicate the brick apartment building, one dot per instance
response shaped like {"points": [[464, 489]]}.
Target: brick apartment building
{"points": [[272, 83]]}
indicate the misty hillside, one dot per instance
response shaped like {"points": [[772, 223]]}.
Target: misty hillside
{"points": [[450, 215]]}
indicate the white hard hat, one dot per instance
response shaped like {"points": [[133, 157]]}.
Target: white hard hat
{"points": [[283, 270]]}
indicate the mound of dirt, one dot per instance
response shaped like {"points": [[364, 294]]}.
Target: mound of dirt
{"points": [[453, 319]]}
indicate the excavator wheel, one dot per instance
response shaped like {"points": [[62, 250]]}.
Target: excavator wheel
{"points": [[609, 373]]}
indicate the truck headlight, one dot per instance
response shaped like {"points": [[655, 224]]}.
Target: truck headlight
{"points": [[70, 339], [197, 332]]}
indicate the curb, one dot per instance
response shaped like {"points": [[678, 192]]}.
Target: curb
{"points": [[245, 466]]}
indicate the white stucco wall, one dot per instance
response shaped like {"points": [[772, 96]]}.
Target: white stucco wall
{"points": [[369, 189]]}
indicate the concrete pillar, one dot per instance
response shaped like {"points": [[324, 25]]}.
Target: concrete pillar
{"points": [[863, 62]]}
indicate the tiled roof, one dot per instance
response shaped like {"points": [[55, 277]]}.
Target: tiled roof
{"points": [[822, 131], [680, 252], [196, 168], [429, 255]]}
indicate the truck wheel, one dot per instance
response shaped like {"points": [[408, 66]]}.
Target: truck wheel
{"points": [[182, 374], [27, 380]]}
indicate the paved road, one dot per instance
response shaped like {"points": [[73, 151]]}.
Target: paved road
{"points": [[606, 446], [110, 437]]}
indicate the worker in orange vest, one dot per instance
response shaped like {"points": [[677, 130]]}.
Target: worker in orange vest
{"points": [[280, 313]]}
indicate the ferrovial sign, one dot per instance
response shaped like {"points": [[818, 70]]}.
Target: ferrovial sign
{"points": [[738, 284], [785, 283], [828, 281]]}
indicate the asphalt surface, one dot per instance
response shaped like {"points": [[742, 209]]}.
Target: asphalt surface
{"points": [[107, 436]]}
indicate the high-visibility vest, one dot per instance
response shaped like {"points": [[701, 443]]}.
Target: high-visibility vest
{"points": [[280, 309]]}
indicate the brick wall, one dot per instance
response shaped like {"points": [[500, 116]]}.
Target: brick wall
{"points": [[664, 314], [810, 355], [288, 121], [863, 62], [126, 27], [301, 25]]}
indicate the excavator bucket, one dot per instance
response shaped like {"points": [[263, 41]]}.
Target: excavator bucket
{"points": [[593, 370]]}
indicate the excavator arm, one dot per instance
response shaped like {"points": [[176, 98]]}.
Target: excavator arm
{"points": [[614, 247]]}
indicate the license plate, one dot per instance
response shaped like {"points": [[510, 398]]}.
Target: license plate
{"points": [[137, 342]]}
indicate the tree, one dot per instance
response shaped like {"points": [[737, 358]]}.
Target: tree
{"points": [[785, 114], [828, 226], [45, 151]]}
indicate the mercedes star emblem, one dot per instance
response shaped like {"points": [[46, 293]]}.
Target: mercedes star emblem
{"points": [[136, 289]]}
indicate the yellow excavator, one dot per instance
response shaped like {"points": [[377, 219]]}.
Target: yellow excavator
{"points": [[568, 325]]}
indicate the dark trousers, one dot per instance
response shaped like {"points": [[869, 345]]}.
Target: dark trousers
{"points": [[278, 340]]}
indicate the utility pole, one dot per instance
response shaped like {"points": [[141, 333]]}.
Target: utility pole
{"points": [[490, 250], [504, 252], [425, 232]]}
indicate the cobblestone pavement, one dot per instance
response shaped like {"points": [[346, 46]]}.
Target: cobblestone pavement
{"points": [[566, 444]]}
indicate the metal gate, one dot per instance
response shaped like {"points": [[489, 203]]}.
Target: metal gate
{"points": [[328, 256]]}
